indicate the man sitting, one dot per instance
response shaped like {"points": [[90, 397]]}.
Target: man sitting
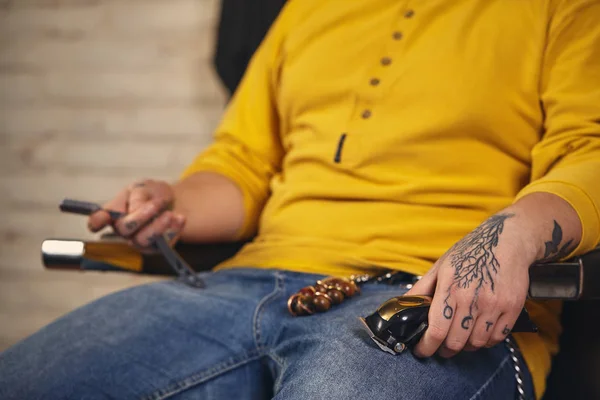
{"points": [[454, 140]]}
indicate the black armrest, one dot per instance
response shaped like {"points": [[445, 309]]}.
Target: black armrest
{"points": [[110, 254], [575, 279]]}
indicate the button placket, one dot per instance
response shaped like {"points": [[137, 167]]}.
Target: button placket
{"points": [[381, 77], [386, 72]]}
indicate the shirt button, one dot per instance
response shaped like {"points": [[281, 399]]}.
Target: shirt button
{"points": [[409, 14], [374, 82], [366, 114], [386, 61], [397, 35]]}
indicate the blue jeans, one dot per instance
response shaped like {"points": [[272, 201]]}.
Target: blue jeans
{"points": [[236, 340]]}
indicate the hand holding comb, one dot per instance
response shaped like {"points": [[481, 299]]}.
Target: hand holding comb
{"points": [[183, 270]]}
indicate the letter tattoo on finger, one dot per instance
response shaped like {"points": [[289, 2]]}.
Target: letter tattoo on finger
{"points": [[131, 225], [505, 331], [448, 311], [171, 235], [466, 322], [488, 324]]}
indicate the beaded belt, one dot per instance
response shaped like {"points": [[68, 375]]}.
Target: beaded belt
{"points": [[333, 291]]}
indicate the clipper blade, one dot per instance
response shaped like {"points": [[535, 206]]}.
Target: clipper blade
{"points": [[378, 342]]}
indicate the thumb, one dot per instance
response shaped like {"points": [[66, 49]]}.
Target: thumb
{"points": [[425, 285]]}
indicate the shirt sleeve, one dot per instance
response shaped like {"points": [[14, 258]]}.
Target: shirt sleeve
{"points": [[566, 161], [247, 147]]}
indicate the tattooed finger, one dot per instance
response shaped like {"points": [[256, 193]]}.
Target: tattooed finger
{"points": [[101, 219], [459, 333], [133, 222], [131, 226], [482, 331], [466, 322], [439, 326], [448, 310], [176, 227], [157, 227], [501, 330]]}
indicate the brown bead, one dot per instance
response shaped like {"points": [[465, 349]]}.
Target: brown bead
{"points": [[322, 303], [292, 305], [336, 296], [346, 288], [306, 304], [356, 287], [323, 294], [299, 308], [299, 311], [337, 283], [325, 282], [319, 287], [308, 291]]}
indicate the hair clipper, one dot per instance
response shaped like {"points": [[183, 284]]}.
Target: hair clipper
{"points": [[400, 322]]}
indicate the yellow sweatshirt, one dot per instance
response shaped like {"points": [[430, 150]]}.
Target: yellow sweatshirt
{"points": [[375, 134]]}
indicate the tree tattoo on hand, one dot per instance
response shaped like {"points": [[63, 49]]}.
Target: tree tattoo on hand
{"points": [[474, 262]]}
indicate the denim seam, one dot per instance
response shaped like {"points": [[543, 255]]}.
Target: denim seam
{"points": [[279, 287], [203, 376], [282, 366], [276, 358], [491, 378]]}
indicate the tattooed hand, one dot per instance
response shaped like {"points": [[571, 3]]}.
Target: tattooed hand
{"points": [[480, 288], [147, 205], [480, 285]]}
